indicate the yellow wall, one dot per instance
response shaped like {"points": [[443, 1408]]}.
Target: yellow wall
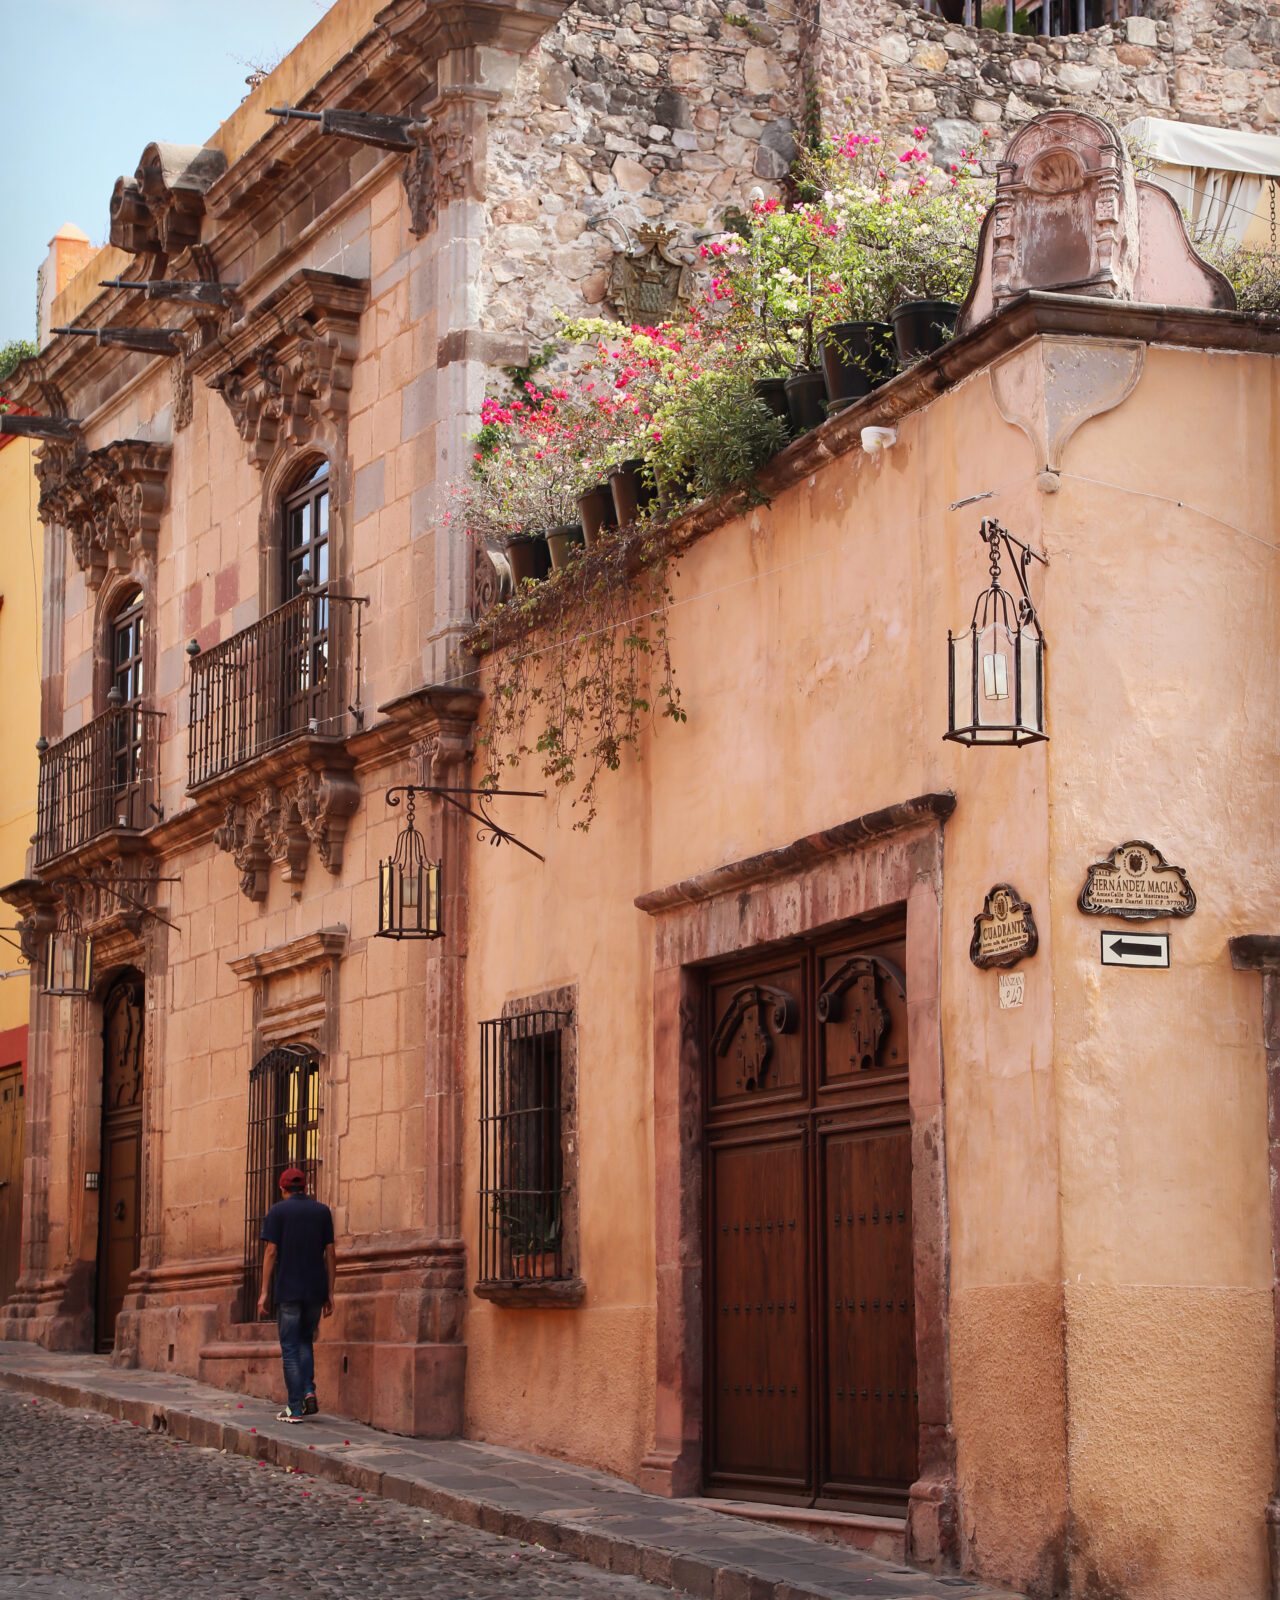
{"points": [[21, 566]]}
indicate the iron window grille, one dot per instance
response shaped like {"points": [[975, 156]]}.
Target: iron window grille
{"points": [[284, 1131], [522, 1167]]}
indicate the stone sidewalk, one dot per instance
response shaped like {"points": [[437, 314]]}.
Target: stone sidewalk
{"points": [[575, 1511]]}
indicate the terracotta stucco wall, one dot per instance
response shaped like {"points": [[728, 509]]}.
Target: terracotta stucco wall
{"points": [[1111, 1375]]}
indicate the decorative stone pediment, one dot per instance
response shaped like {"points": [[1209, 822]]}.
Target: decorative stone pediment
{"points": [[281, 822], [159, 210], [109, 500], [1070, 217], [285, 368]]}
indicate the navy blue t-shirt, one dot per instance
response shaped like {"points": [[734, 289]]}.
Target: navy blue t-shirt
{"points": [[300, 1228]]}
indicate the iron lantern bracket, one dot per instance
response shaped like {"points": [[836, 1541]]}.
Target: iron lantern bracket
{"points": [[491, 831], [90, 881], [993, 534]]}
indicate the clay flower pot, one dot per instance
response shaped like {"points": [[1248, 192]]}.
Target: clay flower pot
{"points": [[856, 357], [529, 557], [922, 326], [598, 515], [564, 543], [806, 397], [632, 491]]}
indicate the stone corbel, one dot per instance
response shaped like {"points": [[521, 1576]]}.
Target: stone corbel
{"points": [[109, 500], [285, 369], [281, 824], [452, 142]]}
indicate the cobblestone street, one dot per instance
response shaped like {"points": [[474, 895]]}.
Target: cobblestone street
{"points": [[93, 1509]]}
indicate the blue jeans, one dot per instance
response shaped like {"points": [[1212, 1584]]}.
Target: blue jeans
{"points": [[297, 1321]]}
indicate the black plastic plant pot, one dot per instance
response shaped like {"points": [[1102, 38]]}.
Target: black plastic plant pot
{"points": [[856, 358], [564, 543], [922, 326], [773, 391], [529, 558], [633, 491], [806, 399], [598, 516]]}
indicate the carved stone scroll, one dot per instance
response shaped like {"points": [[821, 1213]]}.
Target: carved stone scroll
{"points": [[450, 148]]}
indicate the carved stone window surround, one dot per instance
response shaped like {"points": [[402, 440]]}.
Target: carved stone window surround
{"points": [[109, 500], [285, 368]]}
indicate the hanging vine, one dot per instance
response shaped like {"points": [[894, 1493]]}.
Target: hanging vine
{"points": [[579, 665]]}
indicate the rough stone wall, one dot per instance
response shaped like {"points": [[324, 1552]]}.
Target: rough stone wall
{"points": [[889, 64], [664, 111]]}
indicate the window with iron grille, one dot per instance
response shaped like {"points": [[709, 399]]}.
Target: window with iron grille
{"points": [[284, 1131], [527, 1149]]}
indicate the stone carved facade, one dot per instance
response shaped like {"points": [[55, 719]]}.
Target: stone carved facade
{"points": [[285, 370], [110, 500], [281, 823]]}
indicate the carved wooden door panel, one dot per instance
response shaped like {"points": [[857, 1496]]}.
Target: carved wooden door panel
{"points": [[810, 1299], [11, 1135], [120, 1196]]}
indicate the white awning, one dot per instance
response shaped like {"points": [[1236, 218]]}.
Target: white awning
{"points": [[1220, 178]]}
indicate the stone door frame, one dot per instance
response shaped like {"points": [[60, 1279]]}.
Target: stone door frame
{"points": [[886, 861]]}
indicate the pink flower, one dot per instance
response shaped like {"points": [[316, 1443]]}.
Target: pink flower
{"points": [[919, 133]]}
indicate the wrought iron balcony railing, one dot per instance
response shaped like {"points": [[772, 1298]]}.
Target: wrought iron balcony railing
{"points": [[102, 776], [297, 670]]}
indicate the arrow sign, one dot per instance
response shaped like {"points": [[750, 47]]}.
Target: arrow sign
{"points": [[1135, 949]]}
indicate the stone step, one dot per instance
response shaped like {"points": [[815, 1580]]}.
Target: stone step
{"points": [[884, 1537]]}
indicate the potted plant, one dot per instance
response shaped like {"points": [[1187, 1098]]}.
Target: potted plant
{"points": [[530, 1229]]}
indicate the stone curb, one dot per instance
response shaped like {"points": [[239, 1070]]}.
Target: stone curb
{"points": [[628, 1555]]}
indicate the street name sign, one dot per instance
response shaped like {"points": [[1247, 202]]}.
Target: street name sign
{"points": [[1004, 931], [1126, 949], [1136, 882]]}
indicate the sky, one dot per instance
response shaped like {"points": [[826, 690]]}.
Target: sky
{"points": [[88, 84]]}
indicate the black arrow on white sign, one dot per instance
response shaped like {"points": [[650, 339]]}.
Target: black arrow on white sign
{"points": [[1135, 950]]}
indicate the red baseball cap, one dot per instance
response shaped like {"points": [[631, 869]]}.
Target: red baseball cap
{"points": [[293, 1178]]}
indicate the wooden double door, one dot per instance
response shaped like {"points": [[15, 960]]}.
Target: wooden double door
{"points": [[810, 1306], [120, 1181], [12, 1105]]}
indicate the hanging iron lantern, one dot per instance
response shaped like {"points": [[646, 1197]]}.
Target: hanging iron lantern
{"points": [[69, 956], [408, 884], [995, 682]]}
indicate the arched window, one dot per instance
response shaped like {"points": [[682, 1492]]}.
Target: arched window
{"points": [[305, 549], [124, 701], [306, 531]]}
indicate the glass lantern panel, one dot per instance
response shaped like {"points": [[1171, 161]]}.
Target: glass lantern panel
{"points": [[995, 647]]}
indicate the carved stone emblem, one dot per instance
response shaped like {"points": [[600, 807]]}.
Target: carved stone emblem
{"points": [[647, 284], [745, 1026], [1137, 883], [1004, 931]]}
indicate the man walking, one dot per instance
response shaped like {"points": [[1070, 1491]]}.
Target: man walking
{"points": [[298, 1232]]}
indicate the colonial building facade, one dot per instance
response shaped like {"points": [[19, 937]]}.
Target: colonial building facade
{"points": [[978, 1258]]}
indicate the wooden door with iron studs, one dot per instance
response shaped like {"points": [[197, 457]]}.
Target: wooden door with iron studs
{"points": [[810, 1307], [120, 1196]]}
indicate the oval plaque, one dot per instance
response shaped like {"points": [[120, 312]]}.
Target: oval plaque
{"points": [[1004, 931], [1137, 883]]}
